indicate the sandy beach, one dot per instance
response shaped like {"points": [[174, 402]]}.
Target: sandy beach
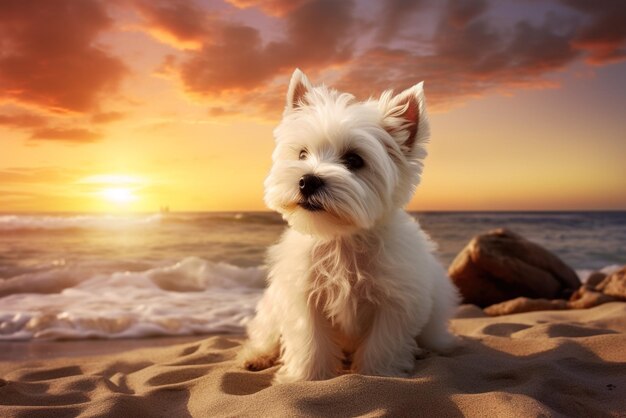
{"points": [[549, 363]]}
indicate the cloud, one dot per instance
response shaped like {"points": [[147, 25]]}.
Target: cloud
{"points": [[235, 57], [107, 117], [180, 23], [57, 129], [464, 51], [49, 54], [74, 135], [395, 14], [469, 57], [603, 36], [22, 120], [457, 14], [270, 7]]}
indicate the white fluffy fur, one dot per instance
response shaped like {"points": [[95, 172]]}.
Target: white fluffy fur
{"points": [[353, 286]]}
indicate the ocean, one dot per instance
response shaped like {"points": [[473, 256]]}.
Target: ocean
{"points": [[70, 276]]}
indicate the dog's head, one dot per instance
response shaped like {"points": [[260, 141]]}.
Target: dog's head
{"points": [[342, 165]]}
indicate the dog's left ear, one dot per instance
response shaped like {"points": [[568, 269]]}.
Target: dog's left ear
{"points": [[404, 117], [298, 88]]}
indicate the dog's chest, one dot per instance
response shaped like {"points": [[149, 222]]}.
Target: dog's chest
{"points": [[342, 288]]}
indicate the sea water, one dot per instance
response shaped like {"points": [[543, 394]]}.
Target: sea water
{"points": [[69, 276]]}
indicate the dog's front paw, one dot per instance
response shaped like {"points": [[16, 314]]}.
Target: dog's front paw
{"points": [[259, 363], [256, 360]]}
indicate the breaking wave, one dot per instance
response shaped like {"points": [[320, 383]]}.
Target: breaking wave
{"points": [[193, 296]]}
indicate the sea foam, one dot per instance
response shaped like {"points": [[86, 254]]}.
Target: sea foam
{"points": [[193, 296]]}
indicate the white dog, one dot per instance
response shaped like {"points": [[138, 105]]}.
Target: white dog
{"points": [[353, 284]]}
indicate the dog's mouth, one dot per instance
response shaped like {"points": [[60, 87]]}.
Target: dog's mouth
{"points": [[311, 207]]}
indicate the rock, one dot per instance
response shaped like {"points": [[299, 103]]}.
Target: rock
{"points": [[595, 278], [585, 298], [501, 265], [599, 289], [614, 284], [519, 305]]}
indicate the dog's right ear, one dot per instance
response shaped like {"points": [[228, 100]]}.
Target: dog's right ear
{"points": [[404, 117], [298, 88]]}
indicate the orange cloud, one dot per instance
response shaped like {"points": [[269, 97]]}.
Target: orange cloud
{"points": [[22, 120], [107, 117], [56, 129], [270, 7], [75, 135], [50, 58], [180, 23]]}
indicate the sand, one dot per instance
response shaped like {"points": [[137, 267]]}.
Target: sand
{"points": [[551, 363]]}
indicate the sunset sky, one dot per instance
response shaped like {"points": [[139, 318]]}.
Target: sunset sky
{"points": [[131, 105]]}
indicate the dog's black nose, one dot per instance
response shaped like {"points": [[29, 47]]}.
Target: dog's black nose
{"points": [[309, 183]]}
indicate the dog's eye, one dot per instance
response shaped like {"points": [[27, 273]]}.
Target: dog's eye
{"points": [[303, 155], [353, 161]]}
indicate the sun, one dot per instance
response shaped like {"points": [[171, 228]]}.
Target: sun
{"points": [[115, 191], [118, 195]]}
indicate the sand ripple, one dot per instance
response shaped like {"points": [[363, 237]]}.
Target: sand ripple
{"points": [[567, 363]]}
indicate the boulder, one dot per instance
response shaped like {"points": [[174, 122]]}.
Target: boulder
{"points": [[501, 265]]}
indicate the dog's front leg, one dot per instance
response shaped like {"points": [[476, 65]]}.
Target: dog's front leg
{"points": [[308, 352], [390, 347], [262, 348]]}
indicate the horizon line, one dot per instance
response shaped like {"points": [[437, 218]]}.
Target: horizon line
{"points": [[60, 212]]}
